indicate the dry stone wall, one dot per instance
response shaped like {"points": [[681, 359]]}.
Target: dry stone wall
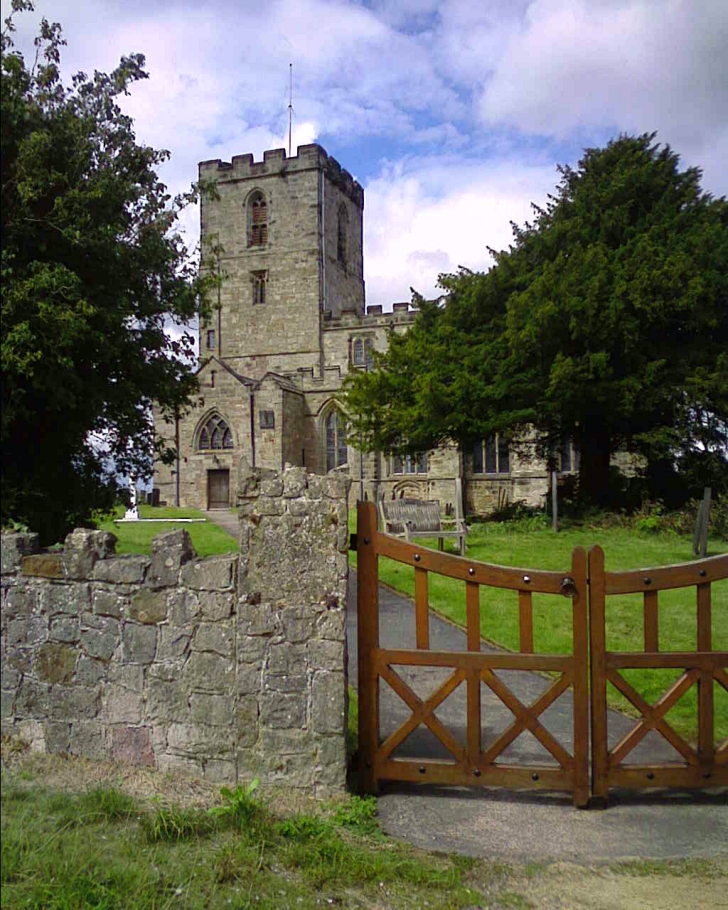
{"points": [[224, 668]]}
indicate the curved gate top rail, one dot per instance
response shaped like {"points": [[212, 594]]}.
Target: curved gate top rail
{"points": [[473, 761], [588, 585]]}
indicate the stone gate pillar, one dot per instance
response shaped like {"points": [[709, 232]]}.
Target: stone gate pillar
{"points": [[291, 636]]}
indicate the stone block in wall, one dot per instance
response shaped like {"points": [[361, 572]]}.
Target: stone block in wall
{"points": [[58, 737], [89, 671], [68, 598], [170, 552], [211, 709], [56, 663], [132, 745], [83, 548], [248, 721], [87, 740], [100, 636], [328, 702], [122, 570], [29, 632], [14, 547], [183, 607], [139, 643], [207, 672], [214, 636], [326, 655], [64, 628], [173, 642], [106, 602], [215, 607], [220, 772], [73, 703], [120, 705], [167, 700], [32, 699], [279, 710], [256, 618], [198, 740], [43, 565], [20, 601], [332, 623], [211, 574], [148, 606]]}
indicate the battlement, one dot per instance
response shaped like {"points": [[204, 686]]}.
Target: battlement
{"points": [[276, 162], [402, 314]]}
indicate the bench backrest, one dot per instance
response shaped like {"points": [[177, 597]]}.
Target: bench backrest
{"points": [[423, 515]]}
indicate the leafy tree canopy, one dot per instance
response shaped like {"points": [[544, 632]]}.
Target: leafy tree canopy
{"points": [[606, 319], [94, 274]]}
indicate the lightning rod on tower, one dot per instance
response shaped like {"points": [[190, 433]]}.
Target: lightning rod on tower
{"points": [[290, 106]]}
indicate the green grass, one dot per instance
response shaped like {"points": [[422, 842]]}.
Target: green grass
{"points": [[541, 548], [208, 539], [63, 851]]}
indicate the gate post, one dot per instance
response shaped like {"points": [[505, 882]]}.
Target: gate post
{"points": [[597, 632], [581, 678], [367, 642]]}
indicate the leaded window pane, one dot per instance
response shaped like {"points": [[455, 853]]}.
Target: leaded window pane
{"points": [[478, 457], [358, 353], [504, 458], [227, 439], [491, 454], [204, 439]]}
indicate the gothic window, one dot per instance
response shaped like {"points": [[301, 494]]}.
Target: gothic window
{"points": [[492, 455], [342, 242], [260, 286], [358, 353], [336, 451], [211, 339], [411, 463], [568, 457], [363, 352], [257, 220], [215, 434]]}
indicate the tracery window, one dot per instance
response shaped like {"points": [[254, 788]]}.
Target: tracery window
{"points": [[257, 220], [363, 352], [260, 286], [215, 434], [336, 450], [492, 455], [411, 463]]}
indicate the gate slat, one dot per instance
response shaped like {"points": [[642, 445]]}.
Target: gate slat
{"points": [[525, 621], [422, 609]]}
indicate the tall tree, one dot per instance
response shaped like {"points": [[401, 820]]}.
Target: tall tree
{"points": [[607, 319], [94, 277]]}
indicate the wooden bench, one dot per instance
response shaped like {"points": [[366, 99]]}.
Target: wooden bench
{"points": [[412, 518]]}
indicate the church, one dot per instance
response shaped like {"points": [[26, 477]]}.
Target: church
{"points": [[291, 323]]}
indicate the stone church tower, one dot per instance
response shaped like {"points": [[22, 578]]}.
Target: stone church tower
{"points": [[287, 239]]}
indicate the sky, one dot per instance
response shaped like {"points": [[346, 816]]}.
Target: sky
{"points": [[451, 114]]}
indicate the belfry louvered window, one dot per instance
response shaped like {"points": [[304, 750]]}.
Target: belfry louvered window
{"points": [[257, 220], [336, 451], [215, 434]]}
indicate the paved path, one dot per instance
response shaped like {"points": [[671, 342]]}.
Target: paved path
{"points": [[528, 826], [225, 519]]}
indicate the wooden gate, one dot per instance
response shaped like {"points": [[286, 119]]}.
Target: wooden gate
{"points": [[473, 762], [587, 584], [704, 766], [218, 489]]}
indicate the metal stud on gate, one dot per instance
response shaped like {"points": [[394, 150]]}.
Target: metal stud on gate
{"points": [[471, 571], [702, 573], [477, 772], [568, 586], [417, 557], [422, 769], [527, 579], [648, 581]]}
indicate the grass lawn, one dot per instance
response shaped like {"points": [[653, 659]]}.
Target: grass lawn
{"points": [[79, 834], [512, 545], [209, 539]]}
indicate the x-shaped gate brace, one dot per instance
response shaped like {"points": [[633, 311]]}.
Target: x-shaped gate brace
{"points": [[653, 716], [525, 718]]}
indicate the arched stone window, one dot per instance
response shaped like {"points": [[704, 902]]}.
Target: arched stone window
{"points": [[363, 352], [358, 352], [336, 450], [257, 219], [342, 240], [214, 434]]}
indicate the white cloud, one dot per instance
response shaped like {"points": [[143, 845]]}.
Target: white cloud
{"points": [[429, 216]]}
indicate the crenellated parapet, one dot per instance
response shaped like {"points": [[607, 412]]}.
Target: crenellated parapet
{"points": [[276, 163]]}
